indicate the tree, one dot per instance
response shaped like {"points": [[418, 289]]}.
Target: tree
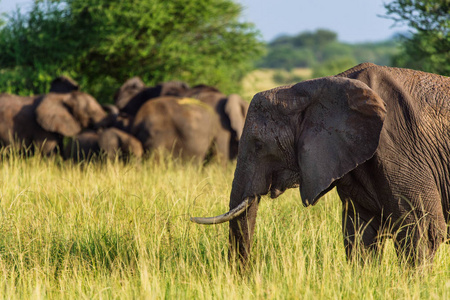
{"points": [[428, 47], [101, 43]]}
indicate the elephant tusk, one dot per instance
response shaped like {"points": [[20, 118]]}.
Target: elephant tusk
{"points": [[228, 216]]}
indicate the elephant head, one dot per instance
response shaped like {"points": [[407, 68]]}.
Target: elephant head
{"points": [[306, 135], [63, 84], [133, 93], [128, 90], [67, 114]]}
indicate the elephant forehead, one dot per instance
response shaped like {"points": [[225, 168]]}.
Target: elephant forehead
{"points": [[262, 129]]}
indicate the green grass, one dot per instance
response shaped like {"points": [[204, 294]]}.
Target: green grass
{"points": [[123, 231]]}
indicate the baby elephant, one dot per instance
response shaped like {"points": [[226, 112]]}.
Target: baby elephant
{"points": [[112, 143]]}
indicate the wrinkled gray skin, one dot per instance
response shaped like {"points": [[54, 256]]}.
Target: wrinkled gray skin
{"points": [[184, 128], [111, 142], [133, 93], [44, 120], [231, 111], [380, 135]]}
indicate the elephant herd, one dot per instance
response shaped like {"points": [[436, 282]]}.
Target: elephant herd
{"points": [[194, 124]]}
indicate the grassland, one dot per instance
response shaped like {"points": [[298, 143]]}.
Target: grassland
{"points": [[264, 79], [105, 231], [123, 231]]}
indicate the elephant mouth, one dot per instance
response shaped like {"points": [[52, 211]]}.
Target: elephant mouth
{"points": [[276, 192], [282, 181]]}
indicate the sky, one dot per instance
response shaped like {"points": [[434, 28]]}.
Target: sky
{"points": [[353, 20]]}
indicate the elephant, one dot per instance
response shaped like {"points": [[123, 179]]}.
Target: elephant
{"points": [[63, 84], [44, 120], [380, 135], [183, 126], [133, 93], [82, 147], [231, 111], [118, 143], [119, 120], [111, 142]]}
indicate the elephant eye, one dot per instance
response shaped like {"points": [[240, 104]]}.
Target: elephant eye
{"points": [[258, 146]]}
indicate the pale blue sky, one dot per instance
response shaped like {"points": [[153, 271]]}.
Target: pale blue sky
{"points": [[353, 20]]}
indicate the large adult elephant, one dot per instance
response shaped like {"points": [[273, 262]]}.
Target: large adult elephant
{"points": [[42, 121], [230, 110], [185, 127], [380, 135], [133, 93]]}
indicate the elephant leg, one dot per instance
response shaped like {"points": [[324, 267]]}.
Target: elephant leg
{"points": [[361, 236], [418, 238]]}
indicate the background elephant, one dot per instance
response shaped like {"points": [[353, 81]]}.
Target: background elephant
{"points": [[63, 84], [231, 111], [18, 126], [83, 147], [183, 126], [117, 143], [44, 120], [380, 135], [111, 142], [133, 93]]}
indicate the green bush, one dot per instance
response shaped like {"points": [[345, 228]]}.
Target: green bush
{"points": [[101, 43]]}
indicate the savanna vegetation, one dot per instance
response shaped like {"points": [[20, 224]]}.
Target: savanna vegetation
{"points": [[117, 230], [322, 52], [102, 43], [123, 231], [427, 48]]}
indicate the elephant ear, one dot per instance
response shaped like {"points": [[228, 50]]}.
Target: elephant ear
{"points": [[236, 109], [341, 130], [54, 113]]}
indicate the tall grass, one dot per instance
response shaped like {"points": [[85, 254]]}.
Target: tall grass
{"points": [[123, 231]]}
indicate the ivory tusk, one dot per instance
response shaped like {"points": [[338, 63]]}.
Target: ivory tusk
{"points": [[230, 215]]}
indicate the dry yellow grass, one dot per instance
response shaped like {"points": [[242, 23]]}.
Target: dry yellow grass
{"points": [[264, 79], [117, 231]]}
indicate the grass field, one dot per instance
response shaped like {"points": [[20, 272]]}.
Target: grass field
{"points": [[264, 79], [123, 231]]}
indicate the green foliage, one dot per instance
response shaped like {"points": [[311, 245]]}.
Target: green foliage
{"points": [[321, 51], [428, 47], [282, 78], [101, 43], [333, 66]]}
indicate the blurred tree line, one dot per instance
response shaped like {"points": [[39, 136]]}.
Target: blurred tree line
{"points": [[427, 47], [101, 43], [321, 51]]}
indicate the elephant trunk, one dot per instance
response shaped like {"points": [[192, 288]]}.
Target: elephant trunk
{"points": [[241, 231], [241, 216]]}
